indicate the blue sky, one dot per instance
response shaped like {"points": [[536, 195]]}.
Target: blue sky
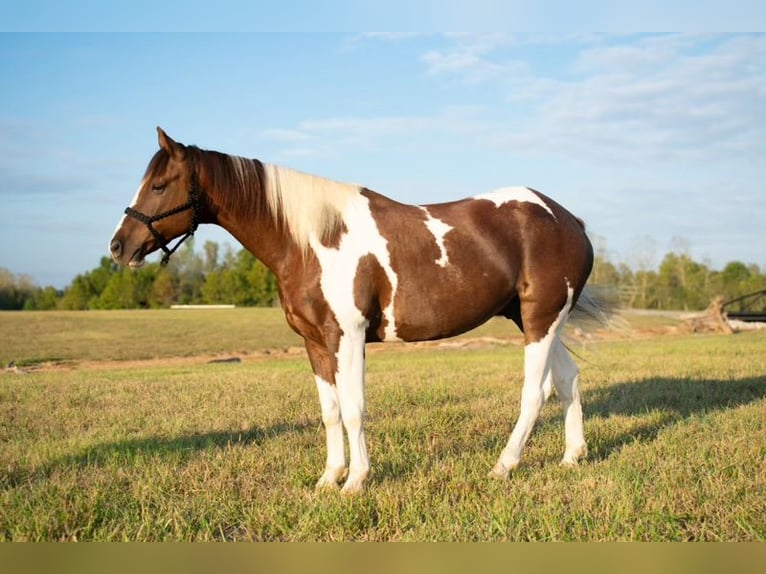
{"points": [[657, 140]]}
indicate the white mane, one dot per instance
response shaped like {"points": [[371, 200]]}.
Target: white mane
{"points": [[309, 206]]}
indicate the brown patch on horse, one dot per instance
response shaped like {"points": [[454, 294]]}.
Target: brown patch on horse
{"points": [[308, 314], [424, 303], [372, 294], [332, 236]]}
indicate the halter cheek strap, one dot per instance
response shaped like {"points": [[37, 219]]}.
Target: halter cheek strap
{"points": [[194, 203]]}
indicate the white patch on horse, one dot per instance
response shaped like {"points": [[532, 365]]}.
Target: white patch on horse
{"points": [[339, 266], [538, 358], [521, 194], [438, 229], [132, 204], [308, 204]]}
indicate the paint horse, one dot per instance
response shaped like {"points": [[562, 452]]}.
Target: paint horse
{"points": [[354, 266]]}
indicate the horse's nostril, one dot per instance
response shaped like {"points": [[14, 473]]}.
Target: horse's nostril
{"points": [[115, 247]]}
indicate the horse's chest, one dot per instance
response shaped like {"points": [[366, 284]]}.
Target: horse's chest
{"points": [[356, 277]]}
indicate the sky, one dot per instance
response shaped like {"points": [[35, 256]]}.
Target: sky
{"points": [[658, 141]]}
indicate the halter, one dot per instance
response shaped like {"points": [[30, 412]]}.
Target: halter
{"points": [[194, 203]]}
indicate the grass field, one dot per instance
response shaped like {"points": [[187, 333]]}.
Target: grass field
{"points": [[117, 428]]}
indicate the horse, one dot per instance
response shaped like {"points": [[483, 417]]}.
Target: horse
{"points": [[354, 266]]}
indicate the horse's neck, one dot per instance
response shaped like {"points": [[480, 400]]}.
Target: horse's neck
{"points": [[275, 211], [256, 229]]}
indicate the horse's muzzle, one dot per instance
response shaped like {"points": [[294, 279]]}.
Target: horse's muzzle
{"points": [[115, 248], [124, 256]]}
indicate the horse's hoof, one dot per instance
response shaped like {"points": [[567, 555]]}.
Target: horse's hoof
{"points": [[329, 480], [353, 485], [574, 455], [499, 472]]}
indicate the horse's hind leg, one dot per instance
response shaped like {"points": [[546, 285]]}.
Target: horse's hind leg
{"points": [[565, 375], [537, 365], [542, 331]]}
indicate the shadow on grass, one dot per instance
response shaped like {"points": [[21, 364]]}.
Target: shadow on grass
{"points": [[667, 400], [129, 452], [651, 404], [654, 403]]}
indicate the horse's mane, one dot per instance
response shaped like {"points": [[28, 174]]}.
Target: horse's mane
{"points": [[306, 205]]}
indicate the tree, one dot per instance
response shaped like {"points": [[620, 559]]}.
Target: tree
{"points": [[45, 299], [211, 257], [86, 288], [163, 293], [15, 290], [186, 268]]}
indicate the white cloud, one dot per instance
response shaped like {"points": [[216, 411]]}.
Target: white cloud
{"points": [[656, 103], [329, 136], [657, 98], [468, 56]]}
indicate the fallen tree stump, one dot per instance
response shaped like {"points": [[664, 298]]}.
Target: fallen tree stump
{"points": [[712, 320]]}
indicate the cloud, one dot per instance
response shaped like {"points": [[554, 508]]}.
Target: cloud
{"points": [[628, 113], [338, 135], [391, 36], [36, 159], [469, 57], [663, 98]]}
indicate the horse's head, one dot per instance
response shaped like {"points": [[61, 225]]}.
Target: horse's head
{"points": [[167, 205]]}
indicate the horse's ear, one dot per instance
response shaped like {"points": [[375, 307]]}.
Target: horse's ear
{"points": [[173, 148]]}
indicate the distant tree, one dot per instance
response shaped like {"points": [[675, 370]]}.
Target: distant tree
{"points": [[644, 255], [127, 289], [163, 292], [45, 299], [15, 290], [186, 266], [210, 263], [86, 288]]}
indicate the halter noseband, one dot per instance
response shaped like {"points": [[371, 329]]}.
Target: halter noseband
{"points": [[194, 203]]}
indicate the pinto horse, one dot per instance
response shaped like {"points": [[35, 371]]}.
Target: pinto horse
{"points": [[354, 266]]}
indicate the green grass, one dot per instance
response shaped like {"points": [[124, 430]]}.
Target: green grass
{"points": [[32, 337], [35, 337], [676, 429]]}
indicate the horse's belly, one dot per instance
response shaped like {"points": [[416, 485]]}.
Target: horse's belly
{"points": [[447, 306]]}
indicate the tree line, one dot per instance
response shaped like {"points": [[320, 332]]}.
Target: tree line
{"points": [[211, 277], [191, 277]]}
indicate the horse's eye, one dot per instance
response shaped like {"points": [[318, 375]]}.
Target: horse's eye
{"points": [[159, 188]]}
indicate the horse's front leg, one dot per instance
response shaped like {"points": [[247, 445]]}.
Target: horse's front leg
{"points": [[350, 387], [335, 467], [324, 375]]}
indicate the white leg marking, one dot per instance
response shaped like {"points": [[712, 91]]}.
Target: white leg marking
{"points": [[335, 468], [523, 194], [537, 370], [350, 382], [438, 229], [565, 377], [548, 385]]}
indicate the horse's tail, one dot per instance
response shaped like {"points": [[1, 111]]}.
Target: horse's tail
{"points": [[595, 307]]}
